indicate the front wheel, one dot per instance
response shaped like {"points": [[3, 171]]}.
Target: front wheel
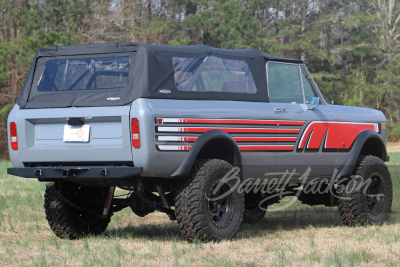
{"points": [[206, 206], [67, 221], [367, 197]]}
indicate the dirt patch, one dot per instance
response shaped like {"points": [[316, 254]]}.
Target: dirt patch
{"points": [[393, 147]]}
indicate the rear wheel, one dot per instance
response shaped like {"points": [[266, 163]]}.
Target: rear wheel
{"points": [[67, 221], [204, 207], [367, 198]]}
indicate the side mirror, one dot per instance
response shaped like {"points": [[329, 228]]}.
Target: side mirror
{"points": [[314, 103]]}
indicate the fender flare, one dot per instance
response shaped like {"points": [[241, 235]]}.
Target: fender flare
{"points": [[187, 163], [355, 151]]}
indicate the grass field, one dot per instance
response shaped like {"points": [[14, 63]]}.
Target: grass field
{"points": [[302, 236]]}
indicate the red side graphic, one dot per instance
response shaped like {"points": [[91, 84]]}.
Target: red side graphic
{"points": [[266, 148], [249, 139], [239, 130], [234, 121], [339, 135]]}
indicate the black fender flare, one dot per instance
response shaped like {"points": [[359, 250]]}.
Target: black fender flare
{"points": [[187, 163], [355, 151]]}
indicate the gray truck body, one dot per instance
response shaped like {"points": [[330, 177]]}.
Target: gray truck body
{"points": [[270, 136], [40, 135]]}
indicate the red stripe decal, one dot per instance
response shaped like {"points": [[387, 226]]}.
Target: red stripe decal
{"points": [[238, 121], [241, 130], [266, 148], [265, 139], [184, 147], [190, 139], [339, 135], [241, 148], [237, 139]]}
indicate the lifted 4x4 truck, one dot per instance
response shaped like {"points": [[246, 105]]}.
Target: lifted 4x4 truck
{"points": [[169, 124]]}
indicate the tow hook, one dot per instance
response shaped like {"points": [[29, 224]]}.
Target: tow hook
{"points": [[103, 172]]}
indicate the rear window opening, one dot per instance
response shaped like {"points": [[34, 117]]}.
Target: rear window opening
{"points": [[84, 74], [213, 74]]}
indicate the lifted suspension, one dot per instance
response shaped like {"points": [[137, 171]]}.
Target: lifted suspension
{"points": [[143, 202]]}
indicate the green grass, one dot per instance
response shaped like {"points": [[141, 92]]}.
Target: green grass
{"points": [[309, 236], [394, 168]]}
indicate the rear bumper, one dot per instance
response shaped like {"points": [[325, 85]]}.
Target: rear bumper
{"points": [[77, 173]]}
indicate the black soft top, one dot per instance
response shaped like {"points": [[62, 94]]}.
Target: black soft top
{"points": [[237, 53], [151, 70]]}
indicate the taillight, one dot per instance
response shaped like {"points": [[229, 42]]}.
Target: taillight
{"points": [[135, 133], [13, 136]]}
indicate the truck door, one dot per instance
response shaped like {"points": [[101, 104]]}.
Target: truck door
{"points": [[290, 93]]}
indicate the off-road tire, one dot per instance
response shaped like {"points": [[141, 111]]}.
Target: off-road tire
{"points": [[193, 210], [356, 209], [64, 219]]}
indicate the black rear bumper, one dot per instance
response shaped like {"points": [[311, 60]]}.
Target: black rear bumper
{"points": [[97, 175]]}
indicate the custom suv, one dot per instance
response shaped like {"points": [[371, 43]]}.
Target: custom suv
{"points": [[186, 130]]}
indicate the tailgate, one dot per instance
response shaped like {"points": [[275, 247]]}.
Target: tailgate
{"points": [[41, 133]]}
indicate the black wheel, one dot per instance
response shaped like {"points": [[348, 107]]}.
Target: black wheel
{"points": [[204, 206], [367, 198], [67, 221], [252, 211]]}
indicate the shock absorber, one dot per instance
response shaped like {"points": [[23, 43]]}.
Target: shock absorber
{"points": [[162, 196], [107, 206]]}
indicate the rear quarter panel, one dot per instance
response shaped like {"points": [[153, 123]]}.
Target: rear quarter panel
{"points": [[158, 163]]}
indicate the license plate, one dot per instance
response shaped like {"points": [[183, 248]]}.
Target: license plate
{"points": [[76, 133]]}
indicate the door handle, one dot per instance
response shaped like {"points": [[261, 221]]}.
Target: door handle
{"points": [[277, 110]]}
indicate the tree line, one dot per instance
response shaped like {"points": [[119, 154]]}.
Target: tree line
{"points": [[350, 46]]}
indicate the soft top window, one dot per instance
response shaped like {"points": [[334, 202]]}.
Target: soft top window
{"points": [[84, 74], [284, 84], [213, 74]]}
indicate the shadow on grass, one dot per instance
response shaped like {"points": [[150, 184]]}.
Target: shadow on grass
{"points": [[293, 220], [161, 232], [278, 222], [273, 223]]}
